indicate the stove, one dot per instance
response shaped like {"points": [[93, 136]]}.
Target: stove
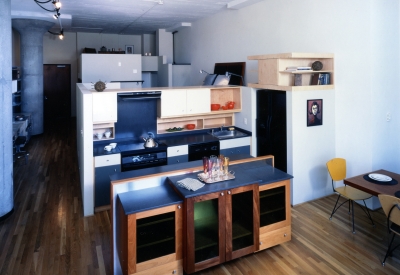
{"points": [[135, 156]]}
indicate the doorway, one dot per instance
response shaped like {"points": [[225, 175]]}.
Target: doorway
{"points": [[57, 92]]}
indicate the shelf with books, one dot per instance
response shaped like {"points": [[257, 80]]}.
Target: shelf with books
{"points": [[279, 71]]}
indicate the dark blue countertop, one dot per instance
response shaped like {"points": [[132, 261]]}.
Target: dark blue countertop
{"points": [[149, 198], [98, 150], [245, 173], [166, 168], [188, 139]]}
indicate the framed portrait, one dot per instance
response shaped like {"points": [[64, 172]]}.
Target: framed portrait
{"points": [[129, 49], [314, 112]]}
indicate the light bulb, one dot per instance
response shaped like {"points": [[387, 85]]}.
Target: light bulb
{"points": [[57, 4]]}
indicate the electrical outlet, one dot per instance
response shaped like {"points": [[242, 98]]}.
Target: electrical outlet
{"points": [[134, 71], [245, 121], [388, 116], [119, 64]]}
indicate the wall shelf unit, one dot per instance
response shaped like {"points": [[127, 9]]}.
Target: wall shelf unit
{"points": [[200, 122], [272, 72], [102, 128]]}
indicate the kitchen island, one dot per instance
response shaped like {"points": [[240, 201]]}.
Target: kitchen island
{"points": [[140, 199]]}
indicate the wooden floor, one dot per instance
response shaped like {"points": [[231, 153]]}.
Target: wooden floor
{"points": [[47, 233]]}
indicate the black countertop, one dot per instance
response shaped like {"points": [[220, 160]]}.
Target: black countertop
{"points": [[259, 172], [245, 173], [166, 168], [149, 198]]}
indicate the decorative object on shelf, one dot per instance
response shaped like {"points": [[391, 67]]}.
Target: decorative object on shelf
{"points": [[230, 105], [298, 80], [317, 66], [190, 126], [175, 129], [129, 49], [99, 86], [215, 107], [103, 49], [314, 112]]}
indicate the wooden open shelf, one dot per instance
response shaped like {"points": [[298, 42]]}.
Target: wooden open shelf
{"points": [[222, 96], [200, 122], [272, 72], [102, 128]]}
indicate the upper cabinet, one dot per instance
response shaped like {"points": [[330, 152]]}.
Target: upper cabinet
{"points": [[273, 73], [197, 101], [104, 107], [180, 102]]}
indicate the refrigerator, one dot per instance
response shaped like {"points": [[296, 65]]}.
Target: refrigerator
{"points": [[271, 126]]}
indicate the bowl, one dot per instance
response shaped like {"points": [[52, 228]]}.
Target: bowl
{"points": [[224, 108], [215, 107], [190, 126]]}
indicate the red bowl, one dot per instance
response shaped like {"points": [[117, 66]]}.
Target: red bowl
{"points": [[215, 107], [190, 126]]}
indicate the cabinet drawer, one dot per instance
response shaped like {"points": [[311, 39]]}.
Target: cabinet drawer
{"points": [[177, 151], [235, 151], [114, 159], [275, 237], [236, 142], [166, 269], [178, 159]]}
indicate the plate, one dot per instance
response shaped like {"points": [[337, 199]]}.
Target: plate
{"points": [[380, 177], [175, 129]]}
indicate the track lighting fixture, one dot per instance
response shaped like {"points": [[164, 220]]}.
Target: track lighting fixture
{"points": [[60, 34], [56, 9], [229, 75]]}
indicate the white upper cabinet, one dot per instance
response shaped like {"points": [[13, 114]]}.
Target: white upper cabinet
{"points": [[104, 107], [173, 103], [198, 101]]}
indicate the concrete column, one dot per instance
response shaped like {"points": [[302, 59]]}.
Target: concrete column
{"points": [[32, 32], [6, 153]]}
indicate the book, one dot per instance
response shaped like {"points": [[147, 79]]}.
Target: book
{"points": [[296, 68], [314, 79]]}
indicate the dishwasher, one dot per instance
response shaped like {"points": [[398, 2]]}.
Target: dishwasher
{"points": [[200, 150]]}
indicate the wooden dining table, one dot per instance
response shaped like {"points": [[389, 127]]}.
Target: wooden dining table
{"points": [[375, 188]]}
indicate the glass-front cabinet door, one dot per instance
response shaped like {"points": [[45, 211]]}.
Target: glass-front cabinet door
{"points": [[205, 225], [242, 222], [275, 218]]}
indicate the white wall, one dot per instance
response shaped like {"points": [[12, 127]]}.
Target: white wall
{"points": [[363, 35], [164, 45], [180, 75], [111, 67], [116, 41]]}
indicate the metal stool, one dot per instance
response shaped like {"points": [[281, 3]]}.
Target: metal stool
{"points": [[19, 154]]}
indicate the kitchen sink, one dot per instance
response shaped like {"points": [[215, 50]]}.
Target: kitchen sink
{"points": [[227, 134]]}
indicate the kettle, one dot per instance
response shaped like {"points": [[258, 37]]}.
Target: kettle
{"points": [[149, 142]]}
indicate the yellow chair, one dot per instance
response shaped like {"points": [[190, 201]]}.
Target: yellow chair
{"points": [[337, 171], [391, 207]]}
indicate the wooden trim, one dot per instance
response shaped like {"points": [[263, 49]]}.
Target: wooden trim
{"points": [[131, 241], [154, 212], [102, 208], [291, 55], [155, 262]]}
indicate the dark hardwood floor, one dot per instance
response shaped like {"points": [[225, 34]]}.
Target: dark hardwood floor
{"points": [[47, 233]]}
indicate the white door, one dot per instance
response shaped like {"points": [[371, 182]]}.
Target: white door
{"points": [[198, 101], [173, 103]]}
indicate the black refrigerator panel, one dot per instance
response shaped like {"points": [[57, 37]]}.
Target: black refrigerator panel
{"points": [[271, 126]]}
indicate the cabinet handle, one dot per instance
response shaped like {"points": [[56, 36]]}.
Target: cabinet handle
{"points": [[260, 243], [222, 194], [174, 272], [115, 170], [179, 207], [284, 235], [177, 160], [229, 192]]}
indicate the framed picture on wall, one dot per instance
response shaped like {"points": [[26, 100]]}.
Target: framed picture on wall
{"points": [[314, 112], [129, 49]]}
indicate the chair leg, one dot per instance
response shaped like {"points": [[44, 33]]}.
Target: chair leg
{"points": [[368, 214], [352, 214], [349, 206], [388, 250], [334, 208]]}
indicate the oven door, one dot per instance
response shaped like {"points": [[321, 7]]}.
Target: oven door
{"points": [[132, 161]]}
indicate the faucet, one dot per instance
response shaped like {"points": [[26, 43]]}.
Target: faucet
{"points": [[222, 127]]}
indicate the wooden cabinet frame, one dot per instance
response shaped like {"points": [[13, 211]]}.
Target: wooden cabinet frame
{"points": [[126, 244], [279, 232]]}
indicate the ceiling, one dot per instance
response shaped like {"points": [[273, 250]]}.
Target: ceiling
{"points": [[124, 16]]}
